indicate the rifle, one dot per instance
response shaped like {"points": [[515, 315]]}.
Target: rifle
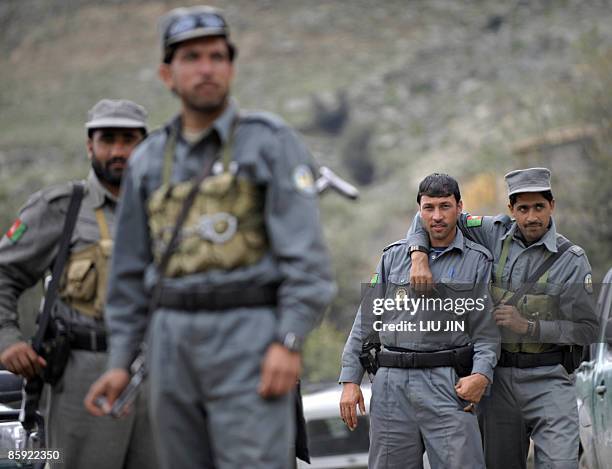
{"points": [[51, 340]]}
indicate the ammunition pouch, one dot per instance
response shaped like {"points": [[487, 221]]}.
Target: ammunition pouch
{"points": [[369, 357], [461, 359], [224, 228], [56, 351]]}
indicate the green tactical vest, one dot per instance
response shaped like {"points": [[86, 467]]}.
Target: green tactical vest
{"points": [[531, 306], [225, 226], [83, 283]]}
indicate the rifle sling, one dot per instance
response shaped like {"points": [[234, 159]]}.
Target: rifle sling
{"points": [[541, 270], [58, 266]]}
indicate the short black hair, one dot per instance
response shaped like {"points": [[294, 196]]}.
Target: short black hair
{"points": [[439, 185], [90, 132], [232, 50], [548, 195]]}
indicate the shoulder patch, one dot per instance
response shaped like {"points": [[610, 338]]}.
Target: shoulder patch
{"points": [[478, 247], [267, 118], [399, 242], [576, 250], [16, 231], [473, 221]]}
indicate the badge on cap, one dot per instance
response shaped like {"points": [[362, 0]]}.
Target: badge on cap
{"points": [[588, 283], [473, 222], [303, 180], [16, 231]]}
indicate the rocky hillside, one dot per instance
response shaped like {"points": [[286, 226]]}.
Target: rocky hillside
{"points": [[384, 92]]}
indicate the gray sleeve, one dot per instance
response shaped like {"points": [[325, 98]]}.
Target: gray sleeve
{"points": [[352, 371], [296, 238], [483, 330], [579, 323], [127, 299], [23, 262], [485, 231]]}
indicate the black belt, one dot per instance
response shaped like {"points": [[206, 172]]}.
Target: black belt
{"points": [[529, 360], [424, 359], [218, 300], [83, 338]]}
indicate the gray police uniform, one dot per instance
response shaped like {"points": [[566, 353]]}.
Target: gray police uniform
{"points": [[537, 402], [85, 441], [205, 360], [416, 410]]}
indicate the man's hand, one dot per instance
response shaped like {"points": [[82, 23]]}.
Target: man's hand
{"points": [[350, 399], [280, 371], [508, 316], [421, 279], [21, 359], [109, 385], [471, 388]]}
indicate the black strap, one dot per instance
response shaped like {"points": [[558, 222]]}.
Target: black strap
{"points": [[541, 270], [58, 266], [425, 359]]}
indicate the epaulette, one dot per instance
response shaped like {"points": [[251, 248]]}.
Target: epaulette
{"points": [[267, 118], [576, 250], [503, 219], [478, 247], [57, 191], [395, 243]]}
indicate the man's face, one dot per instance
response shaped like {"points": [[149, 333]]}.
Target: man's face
{"points": [[439, 216], [109, 150], [532, 213], [200, 73]]}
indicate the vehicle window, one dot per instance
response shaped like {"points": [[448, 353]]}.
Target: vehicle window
{"points": [[331, 437]]}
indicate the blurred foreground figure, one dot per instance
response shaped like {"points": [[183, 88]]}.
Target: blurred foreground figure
{"points": [[219, 223]]}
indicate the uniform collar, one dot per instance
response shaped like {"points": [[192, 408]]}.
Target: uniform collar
{"points": [[458, 243], [222, 125], [549, 240], [98, 194]]}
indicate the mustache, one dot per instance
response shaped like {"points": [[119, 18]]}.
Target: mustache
{"points": [[116, 159], [533, 224]]}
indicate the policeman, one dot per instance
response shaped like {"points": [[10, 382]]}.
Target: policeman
{"points": [[424, 392], [532, 395], [29, 249], [247, 280]]}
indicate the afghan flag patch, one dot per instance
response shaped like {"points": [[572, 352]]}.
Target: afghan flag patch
{"points": [[473, 222], [16, 231], [374, 280]]}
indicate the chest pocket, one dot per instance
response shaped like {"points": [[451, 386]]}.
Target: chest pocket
{"points": [[224, 228], [83, 283]]}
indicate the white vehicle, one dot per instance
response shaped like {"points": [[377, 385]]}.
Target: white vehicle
{"points": [[332, 445]]}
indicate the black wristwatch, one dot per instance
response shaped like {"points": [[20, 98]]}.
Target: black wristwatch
{"points": [[414, 247], [291, 342]]}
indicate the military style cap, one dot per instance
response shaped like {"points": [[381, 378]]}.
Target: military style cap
{"points": [[528, 180], [116, 113], [182, 24]]}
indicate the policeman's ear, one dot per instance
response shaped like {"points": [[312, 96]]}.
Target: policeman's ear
{"points": [[459, 207], [90, 151], [552, 205], [165, 74]]}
